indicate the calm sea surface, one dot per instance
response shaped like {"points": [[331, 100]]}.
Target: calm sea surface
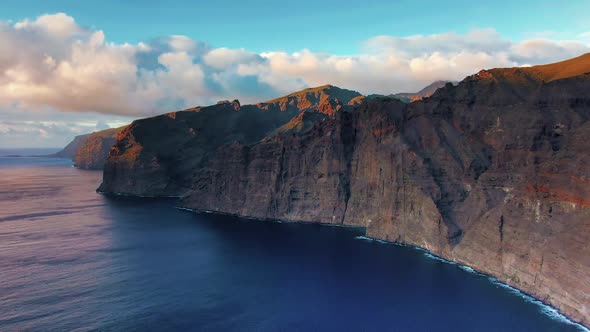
{"points": [[74, 260]]}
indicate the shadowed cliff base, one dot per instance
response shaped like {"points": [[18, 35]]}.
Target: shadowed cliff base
{"points": [[490, 173]]}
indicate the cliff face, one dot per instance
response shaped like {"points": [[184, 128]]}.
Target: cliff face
{"points": [[90, 151], [158, 156], [504, 149], [493, 173], [69, 151], [171, 154]]}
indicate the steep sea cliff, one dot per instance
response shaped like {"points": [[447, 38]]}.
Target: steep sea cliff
{"points": [[492, 173], [90, 151]]}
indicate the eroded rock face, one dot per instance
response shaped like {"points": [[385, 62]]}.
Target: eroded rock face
{"points": [[492, 173]]}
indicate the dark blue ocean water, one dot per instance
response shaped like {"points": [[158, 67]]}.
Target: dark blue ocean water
{"points": [[71, 259]]}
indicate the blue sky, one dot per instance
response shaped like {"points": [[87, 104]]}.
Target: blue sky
{"points": [[322, 26], [73, 67]]}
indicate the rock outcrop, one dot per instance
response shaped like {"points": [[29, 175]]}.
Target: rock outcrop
{"points": [[493, 172], [90, 151], [325, 99]]}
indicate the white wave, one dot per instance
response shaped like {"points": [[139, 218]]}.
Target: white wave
{"points": [[544, 308], [467, 268], [370, 239], [436, 258]]}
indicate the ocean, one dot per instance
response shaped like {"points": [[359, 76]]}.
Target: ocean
{"points": [[75, 260]]}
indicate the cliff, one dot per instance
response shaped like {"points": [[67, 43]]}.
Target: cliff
{"points": [[90, 151], [493, 172], [69, 151], [170, 154]]}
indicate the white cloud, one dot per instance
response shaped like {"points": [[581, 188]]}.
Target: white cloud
{"points": [[58, 25], [221, 58], [182, 43], [485, 40], [53, 63], [544, 50]]}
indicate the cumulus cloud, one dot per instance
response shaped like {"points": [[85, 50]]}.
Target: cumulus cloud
{"points": [[52, 62], [58, 25]]}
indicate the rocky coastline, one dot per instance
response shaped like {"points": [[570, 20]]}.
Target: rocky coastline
{"points": [[491, 173]]}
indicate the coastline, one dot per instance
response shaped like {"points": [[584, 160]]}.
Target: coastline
{"points": [[545, 308]]}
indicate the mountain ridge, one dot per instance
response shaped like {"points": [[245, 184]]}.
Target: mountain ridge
{"points": [[427, 91], [559, 70], [325, 98], [408, 97], [90, 151]]}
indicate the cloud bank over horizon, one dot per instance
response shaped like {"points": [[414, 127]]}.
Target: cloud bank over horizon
{"points": [[51, 65]]}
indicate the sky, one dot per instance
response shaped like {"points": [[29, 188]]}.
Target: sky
{"points": [[73, 67]]}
